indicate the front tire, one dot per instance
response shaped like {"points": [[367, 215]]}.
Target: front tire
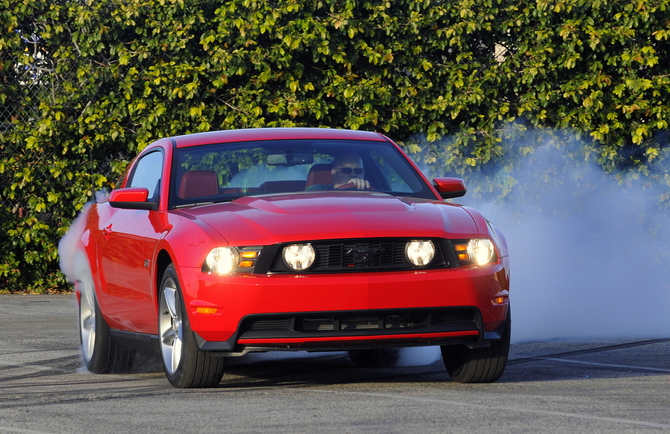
{"points": [[184, 364], [100, 353], [478, 365]]}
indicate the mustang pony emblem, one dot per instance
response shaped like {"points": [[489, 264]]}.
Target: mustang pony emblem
{"points": [[363, 255]]}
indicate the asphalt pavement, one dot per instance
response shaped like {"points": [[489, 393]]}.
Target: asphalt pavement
{"points": [[607, 386]]}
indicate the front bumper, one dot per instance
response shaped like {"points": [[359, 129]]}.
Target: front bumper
{"points": [[324, 312]]}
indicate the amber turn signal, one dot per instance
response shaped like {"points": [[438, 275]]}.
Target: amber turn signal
{"points": [[206, 310], [501, 298]]}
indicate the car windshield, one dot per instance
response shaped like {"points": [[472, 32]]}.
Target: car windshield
{"points": [[222, 172]]}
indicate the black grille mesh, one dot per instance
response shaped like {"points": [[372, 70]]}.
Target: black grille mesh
{"points": [[361, 323], [360, 255]]}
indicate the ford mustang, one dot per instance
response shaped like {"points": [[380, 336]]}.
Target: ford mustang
{"points": [[218, 244]]}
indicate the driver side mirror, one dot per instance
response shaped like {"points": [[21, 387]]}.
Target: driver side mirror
{"points": [[131, 198]]}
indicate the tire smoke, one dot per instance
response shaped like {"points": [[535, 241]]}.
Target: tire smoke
{"points": [[590, 254], [68, 245]]}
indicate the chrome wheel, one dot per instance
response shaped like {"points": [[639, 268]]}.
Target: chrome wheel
{"points": [[171, 326], [185, 365], [87, 317], [100, 353]]}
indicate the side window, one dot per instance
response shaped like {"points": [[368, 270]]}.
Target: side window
{"points": [[148, 173]]}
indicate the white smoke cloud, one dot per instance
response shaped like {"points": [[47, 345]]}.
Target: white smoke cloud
{"points": [[67, 246], [589, 257]]}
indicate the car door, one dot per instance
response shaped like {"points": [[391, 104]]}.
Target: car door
{"points": [[128, 243]]}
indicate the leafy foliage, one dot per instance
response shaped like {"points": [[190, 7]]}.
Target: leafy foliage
{"points": [[457, 82]]}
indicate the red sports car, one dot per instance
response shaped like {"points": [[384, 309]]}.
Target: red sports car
{"points": [[217, 244]]}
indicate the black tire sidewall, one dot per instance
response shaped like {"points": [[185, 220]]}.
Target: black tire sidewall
{"points": [[479, 365], [192, 360], [99, 360]]}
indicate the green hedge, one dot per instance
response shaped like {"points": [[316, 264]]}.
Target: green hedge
{"points": [[457, 82]]}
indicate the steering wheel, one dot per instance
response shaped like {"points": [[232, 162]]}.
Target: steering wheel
{"points": [[351, 185]]}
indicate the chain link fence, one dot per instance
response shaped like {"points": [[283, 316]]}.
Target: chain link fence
{"points": [[27, 77], [22, 74], [19, 103]]}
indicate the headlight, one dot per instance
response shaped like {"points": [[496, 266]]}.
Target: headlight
{"points": [[478, 251], [481, 250], [299, 256], [420, 252], [221, 260], [225, 260]]}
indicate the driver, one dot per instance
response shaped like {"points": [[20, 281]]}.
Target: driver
{"points": [[347, 169]]}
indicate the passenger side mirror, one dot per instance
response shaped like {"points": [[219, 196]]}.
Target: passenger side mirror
{"points": [[449, 188]]}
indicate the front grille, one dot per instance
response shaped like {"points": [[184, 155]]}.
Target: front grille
{"points": [[425, 320], [360, 255]]}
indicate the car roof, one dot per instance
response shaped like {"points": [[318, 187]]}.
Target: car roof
{"points": [[253, 134]]}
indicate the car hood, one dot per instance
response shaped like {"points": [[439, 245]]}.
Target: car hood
{"points": [[269, 219]]}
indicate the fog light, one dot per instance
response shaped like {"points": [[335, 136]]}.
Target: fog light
{"points": [[420, 252], [299, 256]]}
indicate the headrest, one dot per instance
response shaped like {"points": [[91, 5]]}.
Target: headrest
{"points": [[320, 174], [198, 183]]}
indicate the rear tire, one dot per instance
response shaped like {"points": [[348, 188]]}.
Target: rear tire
{"points": [[184, 364], [100, 353], [478, 365]]}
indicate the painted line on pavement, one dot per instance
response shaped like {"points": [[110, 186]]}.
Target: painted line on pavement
{"points": [[606, 365]]}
